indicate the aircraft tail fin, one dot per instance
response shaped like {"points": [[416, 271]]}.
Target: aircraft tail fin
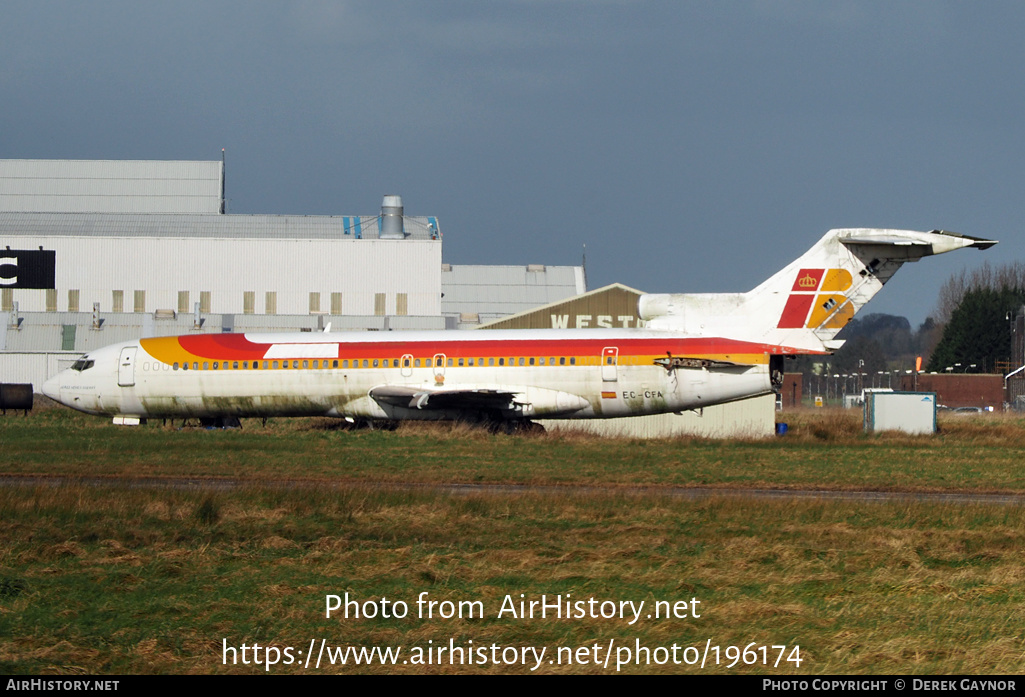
{"points": [[806, 304]]}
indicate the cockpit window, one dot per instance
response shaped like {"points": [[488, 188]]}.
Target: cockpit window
{"points": [[83, 364]]}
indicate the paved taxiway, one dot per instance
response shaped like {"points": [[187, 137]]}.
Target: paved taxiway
{"points": [[228, 484]]}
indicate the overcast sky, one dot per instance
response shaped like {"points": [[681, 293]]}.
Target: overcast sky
{"points": [[692, 146]]}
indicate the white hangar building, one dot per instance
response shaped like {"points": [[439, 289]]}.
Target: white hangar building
{"points": [[111, 186], [245, 264], [68, 247], [96, 252]]}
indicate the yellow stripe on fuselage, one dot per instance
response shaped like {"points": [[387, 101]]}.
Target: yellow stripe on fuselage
{"points": [[169, 350]]}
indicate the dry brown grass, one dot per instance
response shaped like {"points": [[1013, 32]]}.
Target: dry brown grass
{"points": [[108, 579], [841, 426], [115, 580], [823, 425]]}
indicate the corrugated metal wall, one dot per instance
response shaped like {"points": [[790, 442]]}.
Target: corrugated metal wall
{"points": [[749, 418], [205, 225], [34, 368], [110, 186], [228, 268], [491, 292]]}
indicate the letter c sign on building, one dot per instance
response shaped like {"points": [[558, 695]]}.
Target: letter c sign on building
{"points": [[28, 268]]}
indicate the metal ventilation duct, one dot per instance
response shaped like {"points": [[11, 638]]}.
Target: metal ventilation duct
{"points": [[391, 218]]}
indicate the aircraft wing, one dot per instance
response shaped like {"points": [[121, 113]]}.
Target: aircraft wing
{"points": [[457, 398]]}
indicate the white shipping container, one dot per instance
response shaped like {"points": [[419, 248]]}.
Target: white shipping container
{"points": [[911, 412]]}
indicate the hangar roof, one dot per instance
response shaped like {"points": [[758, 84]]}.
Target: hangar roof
{"points": [[616, 302], [208, 225], [124, 186], [496, 291]]}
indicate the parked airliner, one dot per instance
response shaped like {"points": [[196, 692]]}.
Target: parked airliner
{"points": [[696, 350]]}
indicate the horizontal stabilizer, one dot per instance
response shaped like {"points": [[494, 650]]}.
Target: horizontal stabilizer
{"points": [[899, 241], [937, 241]]}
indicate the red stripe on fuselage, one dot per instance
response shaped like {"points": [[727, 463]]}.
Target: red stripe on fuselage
{"points": [[238, 347], [233, 347]]}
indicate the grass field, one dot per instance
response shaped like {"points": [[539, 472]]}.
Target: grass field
{"points": [[132, 579], [822, 450]]}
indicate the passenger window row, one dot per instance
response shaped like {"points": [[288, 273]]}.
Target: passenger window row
{"points": [[317, 364]]}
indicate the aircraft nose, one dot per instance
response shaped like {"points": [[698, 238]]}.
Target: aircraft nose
{"points": [[51, 388]]}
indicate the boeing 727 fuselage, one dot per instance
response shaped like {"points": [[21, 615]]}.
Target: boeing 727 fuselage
{"points": [[697, 350]]}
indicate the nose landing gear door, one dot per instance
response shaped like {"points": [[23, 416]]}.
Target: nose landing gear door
{"points": [[126, 366]]}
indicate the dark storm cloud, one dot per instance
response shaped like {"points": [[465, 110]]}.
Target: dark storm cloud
{"points": [[691, 146]]}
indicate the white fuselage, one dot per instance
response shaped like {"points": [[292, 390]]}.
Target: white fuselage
{"points": [[541, 373]]}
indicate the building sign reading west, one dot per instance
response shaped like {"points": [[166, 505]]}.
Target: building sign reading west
{"points": [[584, 321]]}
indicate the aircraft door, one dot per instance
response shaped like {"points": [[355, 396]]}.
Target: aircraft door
{"points": [[439, 367], [609, 364], [126, 366], [407, 365]]}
